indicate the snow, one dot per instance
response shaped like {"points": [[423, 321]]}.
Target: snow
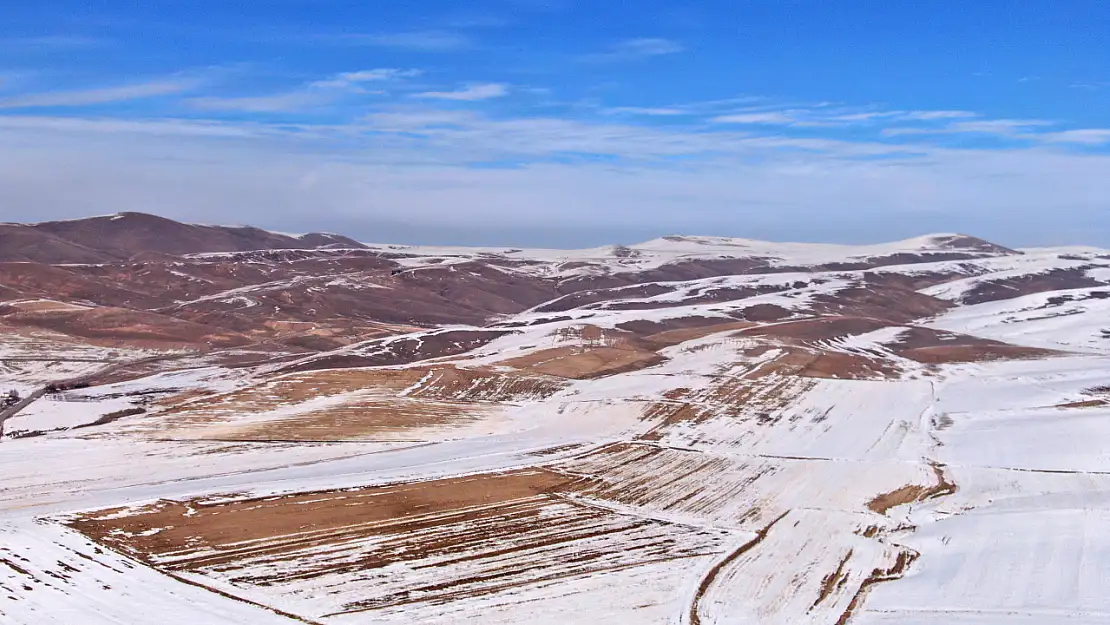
{"points": [[1071, 320], [658, 252], [46, 415], [740, 509], [1009, 267], [1022, 541], [62, 578]]}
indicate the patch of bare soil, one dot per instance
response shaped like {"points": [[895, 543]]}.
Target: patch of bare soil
{"points": [[351, 404], [1101, 398], [833, 581], [880, 297], [361, 419], [390, 546], [43, 306], [643, 327], [819, 363], [401, 351], [593, 352], [913, 493], [1009, 288], [895, 571], [675, 337], [711, 575], [929, 346], [583, 362], [201, 528], [708, 295], [765, 313], [669, 415], [484, 385], [819, 329], [122, 327], [1090, 403], [584, 298], [841, 366]]}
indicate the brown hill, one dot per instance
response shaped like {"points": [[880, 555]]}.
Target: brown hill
{"points": [[127, 235]]}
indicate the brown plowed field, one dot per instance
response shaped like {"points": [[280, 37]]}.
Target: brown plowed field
{"points": [[388, 547]]}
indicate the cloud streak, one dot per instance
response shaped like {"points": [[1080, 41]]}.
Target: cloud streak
{"points": [[471, 93], [103, 95], [421, 41], [636, 49], [422, 161], [313, 94]]}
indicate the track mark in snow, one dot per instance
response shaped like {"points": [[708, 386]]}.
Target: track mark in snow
{"points": [[711, 575], [878, 576]]}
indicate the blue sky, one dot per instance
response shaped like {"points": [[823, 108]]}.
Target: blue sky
{"points": [[561, 122]]}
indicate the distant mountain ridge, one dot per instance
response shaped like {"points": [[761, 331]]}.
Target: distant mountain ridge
{"points": [[128, 235]]}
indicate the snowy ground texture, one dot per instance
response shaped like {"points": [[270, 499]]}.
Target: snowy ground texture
{"points": [[923, 442]]}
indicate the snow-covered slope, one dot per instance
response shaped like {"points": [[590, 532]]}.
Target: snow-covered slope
{"points": [[691, 430]]}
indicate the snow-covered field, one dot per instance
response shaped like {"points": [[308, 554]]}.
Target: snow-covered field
{"points": [[883, 448]]}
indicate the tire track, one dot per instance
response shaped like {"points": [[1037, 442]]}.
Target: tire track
{"points": [[694, 618]]}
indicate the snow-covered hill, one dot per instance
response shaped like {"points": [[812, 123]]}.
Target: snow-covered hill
{"points": [[690, 430]]}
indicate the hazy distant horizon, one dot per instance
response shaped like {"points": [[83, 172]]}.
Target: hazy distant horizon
{"points": [[578, 238]]}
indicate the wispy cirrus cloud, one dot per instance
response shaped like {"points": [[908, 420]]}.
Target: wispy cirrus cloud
{"points": [[818, 116], [1084, 136], [935, 115], [56, 42], [312, 94], [636, 49], [648, 111], [422, 41], [769, 118], [434, 164], [351, 79], [275, 103], [996, 127], [102, 95], [469, 93]]}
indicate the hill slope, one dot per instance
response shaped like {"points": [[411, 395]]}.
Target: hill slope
{"points": [[689, 430]]}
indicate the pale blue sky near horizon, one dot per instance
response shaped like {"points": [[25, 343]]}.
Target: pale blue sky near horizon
{"points": [[565, 123]]}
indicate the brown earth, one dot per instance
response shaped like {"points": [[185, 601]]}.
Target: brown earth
{"points": [[198, 526], [929, 346], [123, 327], [1009, 288], [913, 493], [583, 362], [358, 404], [403, 351], [529, 534], [109, 238]]}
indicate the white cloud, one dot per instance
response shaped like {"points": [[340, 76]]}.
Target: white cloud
{"points": [[102, 95], [866, 116], [348, 79], [470, 93], [1014, 128], [423, 158], [640, 110], [313, 94], [769, 118], [259, 178], [999, 126], [277, 103], [633, 49], [425, 41], [1086, 136], [56, 42], [933, 115]]}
